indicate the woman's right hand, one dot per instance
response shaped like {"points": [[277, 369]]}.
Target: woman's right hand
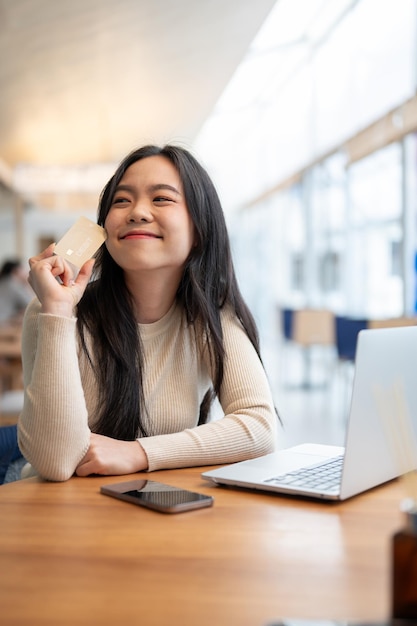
{"points": [[57, 297]]}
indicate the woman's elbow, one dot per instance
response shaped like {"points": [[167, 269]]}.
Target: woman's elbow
{"points": [[260, 425], [266, 446], [50, 471], [45, 465], [268, 441], [56, 475], [51, 460]]}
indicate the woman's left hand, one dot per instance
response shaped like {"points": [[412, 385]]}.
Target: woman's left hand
{"points": [[112, 457]]}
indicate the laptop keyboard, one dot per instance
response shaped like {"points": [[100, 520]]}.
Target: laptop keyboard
{"points": [[324, 476]]}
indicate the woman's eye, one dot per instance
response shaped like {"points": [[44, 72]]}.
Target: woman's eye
{"points": [[161, 199], [119, 200]]}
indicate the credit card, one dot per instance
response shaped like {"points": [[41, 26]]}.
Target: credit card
{"points": [[81, 242]]}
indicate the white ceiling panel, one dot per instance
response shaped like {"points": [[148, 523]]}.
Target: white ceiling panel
{"points": [[85, 81]]}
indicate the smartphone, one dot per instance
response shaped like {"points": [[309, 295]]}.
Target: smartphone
{"points": [[157, 496]]}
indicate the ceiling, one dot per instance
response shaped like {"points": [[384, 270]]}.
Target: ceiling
{"points": [[86, 81]]}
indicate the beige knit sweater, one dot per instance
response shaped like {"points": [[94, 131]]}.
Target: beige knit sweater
{"points": [[61, 396]]}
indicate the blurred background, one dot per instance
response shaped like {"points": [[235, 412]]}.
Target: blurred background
{"points": [[304, 112]]}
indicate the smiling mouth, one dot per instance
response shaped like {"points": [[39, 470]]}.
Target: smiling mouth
{"points": [[140, 236]]}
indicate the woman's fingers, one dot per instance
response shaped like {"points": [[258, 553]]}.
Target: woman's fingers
{"points": [[49, 251], [79, 285], [85, 272], [44, 268], [62, 295], [58, 285]]}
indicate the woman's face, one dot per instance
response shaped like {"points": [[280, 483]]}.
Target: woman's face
{"points": [[148, 225]]}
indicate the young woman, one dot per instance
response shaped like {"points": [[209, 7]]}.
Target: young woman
{"points": [[122, 364]]}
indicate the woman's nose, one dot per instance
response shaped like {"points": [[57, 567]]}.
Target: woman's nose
{"points": [[140, 212]]}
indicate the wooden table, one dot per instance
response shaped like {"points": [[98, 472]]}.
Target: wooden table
{"points": [[69, 555]]}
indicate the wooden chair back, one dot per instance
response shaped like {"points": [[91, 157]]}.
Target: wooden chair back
{"points": [[313, 327]]}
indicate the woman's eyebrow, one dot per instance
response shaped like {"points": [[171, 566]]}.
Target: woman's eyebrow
{"points": [[160, 186], [151, 188], [123, 188]]}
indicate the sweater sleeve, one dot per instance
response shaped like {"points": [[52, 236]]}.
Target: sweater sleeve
{"points": [[248, 427], [53, 426]]}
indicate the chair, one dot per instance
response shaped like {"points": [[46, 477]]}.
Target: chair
{"points": [[312, 328], [347, 330], [11, 380], [287, 323]]}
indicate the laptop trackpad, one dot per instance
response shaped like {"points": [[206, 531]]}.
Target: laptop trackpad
{"points": [[265, 467]]}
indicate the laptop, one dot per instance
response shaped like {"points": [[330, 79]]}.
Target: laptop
{"points": [[380, 434]]}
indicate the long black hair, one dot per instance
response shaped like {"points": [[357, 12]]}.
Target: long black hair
{"points": [[208, 283]]}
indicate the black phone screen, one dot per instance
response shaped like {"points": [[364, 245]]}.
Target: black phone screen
{"points": [[158, 496], [167, 498]]}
